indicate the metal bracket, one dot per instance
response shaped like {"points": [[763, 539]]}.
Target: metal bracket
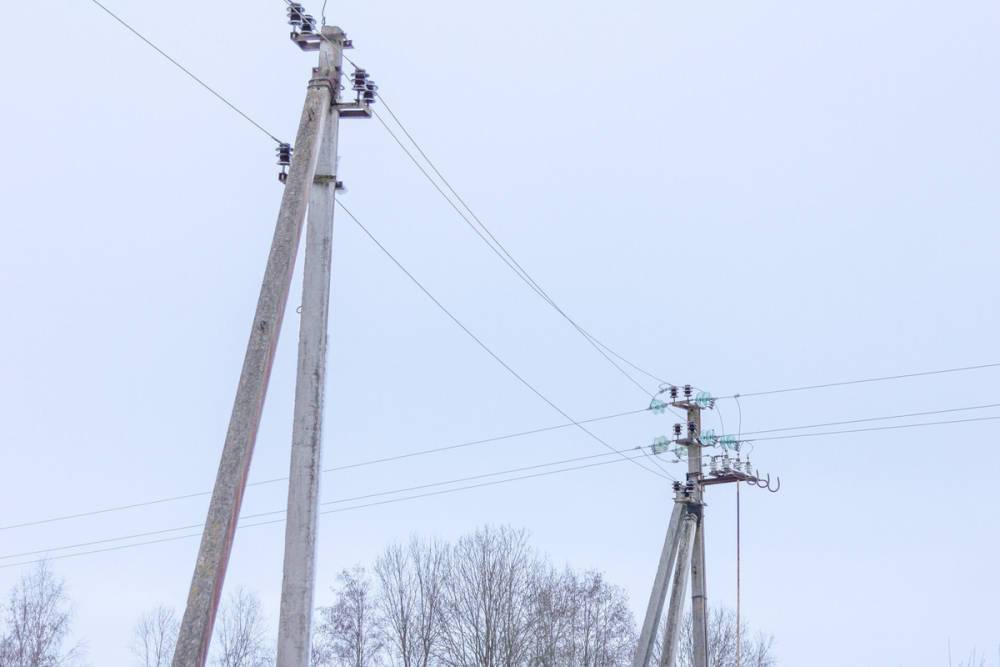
{"points": [[353, 110], [307, 41]]}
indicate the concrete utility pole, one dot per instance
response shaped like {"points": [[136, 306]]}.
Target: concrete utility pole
{"points": [[295, 620], [303, 187], [684, 547], [668, 655], [647, 636], [699, 592]]}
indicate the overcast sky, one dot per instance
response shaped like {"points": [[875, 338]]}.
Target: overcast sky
{"points": [[744, 196]]}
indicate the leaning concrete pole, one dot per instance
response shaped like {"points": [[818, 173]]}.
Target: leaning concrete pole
{"points": [[647, 637], [223, 512], [295, 621], [668, 656]]}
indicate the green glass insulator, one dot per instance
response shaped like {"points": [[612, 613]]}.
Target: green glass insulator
{"points": [[703, 399]]}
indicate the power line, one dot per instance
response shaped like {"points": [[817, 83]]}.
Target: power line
{"points": [[873, 419], [497, 247], [332, 511], [184, 69], [456, 481], [473, 443], [348, 466], [338, 501], [864, 380], [874, 428], [487, 349]]}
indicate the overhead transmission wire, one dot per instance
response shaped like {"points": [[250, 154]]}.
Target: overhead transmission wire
{"points": [[873, 428], [472, 443], [330, 511], [338, 501], [348, 466], [404, 498], [482, 231], [184, 69], [882, 378], [487, 349], [424, 495], [871, 419]]}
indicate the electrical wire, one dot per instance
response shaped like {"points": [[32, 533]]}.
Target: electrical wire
{"points": [[338, 501], [874, 428], [487, 349], [184, 69], [872, 419], [331, 511], [496, 246], [440, 492], [864, 380], [348, 466], [473, 443]]}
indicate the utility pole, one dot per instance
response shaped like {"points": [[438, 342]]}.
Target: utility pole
{"points": [[312, 187], [699, 592], [683, 554], [295, 618]]}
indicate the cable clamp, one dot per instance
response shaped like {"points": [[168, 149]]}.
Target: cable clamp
{"points": [[331, 82]]}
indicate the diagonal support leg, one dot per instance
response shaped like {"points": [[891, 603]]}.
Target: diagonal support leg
{"points": [[647, 637], [223, 513], [689, 526]]}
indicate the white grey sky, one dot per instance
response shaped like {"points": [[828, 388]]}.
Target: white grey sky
{"points": [[740, 195]]}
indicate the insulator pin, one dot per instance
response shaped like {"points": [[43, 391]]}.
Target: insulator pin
{"points": [[284, 152], [295, 15]]}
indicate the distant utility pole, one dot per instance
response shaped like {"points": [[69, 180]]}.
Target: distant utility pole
{"points": [[310, 183], [684, 548]]}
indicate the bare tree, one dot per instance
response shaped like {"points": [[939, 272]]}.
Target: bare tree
{"points": [[155, 637], [756, 650], [409, 600], [241, 637], [348, 634], [397, 602], [604, 627], [974, 660], [37, 623], [488, 600], [580, 621]]}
